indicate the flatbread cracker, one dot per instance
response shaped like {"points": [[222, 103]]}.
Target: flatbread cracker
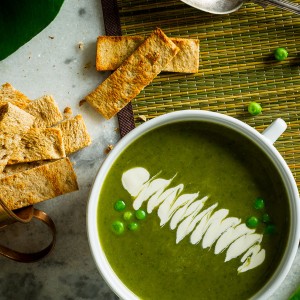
{"points": [[12, 169], [14, 120], [38, 144], [113, 50], [136, 72], [45, 110], [8, 94], [75, 134], [13, 123], [38, 184]]}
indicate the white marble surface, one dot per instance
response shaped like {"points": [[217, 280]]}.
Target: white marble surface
{"points": [[57, 66]]}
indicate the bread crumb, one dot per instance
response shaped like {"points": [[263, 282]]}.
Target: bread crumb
{"points": [[109, 148], [117, 129], [80, 45], [68, 113], [142, 117], [81, 102], [51, 37], [88, 65]]}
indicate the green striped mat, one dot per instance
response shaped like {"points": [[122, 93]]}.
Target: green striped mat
{"points": [[236, 65]]}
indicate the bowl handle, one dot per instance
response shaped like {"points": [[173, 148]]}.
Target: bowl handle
{"points": [[275, 130]]}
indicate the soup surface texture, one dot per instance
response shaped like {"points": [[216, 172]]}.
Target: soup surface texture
{"points": [[212, 161]]}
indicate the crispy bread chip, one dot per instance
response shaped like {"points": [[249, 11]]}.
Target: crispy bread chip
{"points": [[14, 120], [13, 123], [17, 168], [9, 94], [113, 50], [45, 111], [75, 134], [38, 184], [136, 72], [38, 144]]}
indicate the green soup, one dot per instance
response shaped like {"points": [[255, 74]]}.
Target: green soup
{"points": [[214, 162]]}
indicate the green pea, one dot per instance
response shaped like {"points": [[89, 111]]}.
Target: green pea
{"points": [[119, 205], [133, 226], [280, 54], [259, 203], [118, 227], [266, 218], [127, 215], [254, 108], [252, 222], [270, 229], [140, 214]]}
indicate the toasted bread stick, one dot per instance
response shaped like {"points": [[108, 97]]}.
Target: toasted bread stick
{"points": [[136, 72], [113, 50]]}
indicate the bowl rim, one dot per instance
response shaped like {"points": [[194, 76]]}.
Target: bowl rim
{"points": [[287, 259]]}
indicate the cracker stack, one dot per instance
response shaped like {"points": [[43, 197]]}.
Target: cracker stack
{"points": [[112, 51], [34, 143], [138, 61]]}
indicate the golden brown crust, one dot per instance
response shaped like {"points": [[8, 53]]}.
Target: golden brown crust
{"points": [[17, 168], [31, 152], [9, 94], [45, 111], [13, 123], [75, 134], [187, 60], [136, 72], [113, 50], [14, 120], [38, 184], [38, 144]]}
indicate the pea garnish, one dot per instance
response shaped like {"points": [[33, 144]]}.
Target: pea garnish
{"points": [[119, 205], [252, 222], [259, 203], [280, 54], [118, 227], [127, 215], [140, 214], [266, 218], [270, 229], [133, 226], [254, 108]]}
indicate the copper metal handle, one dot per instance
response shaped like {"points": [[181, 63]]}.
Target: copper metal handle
{"points": [[24, 216]]}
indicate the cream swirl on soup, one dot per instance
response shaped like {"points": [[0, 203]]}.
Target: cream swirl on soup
{"points": [[189, 215]]}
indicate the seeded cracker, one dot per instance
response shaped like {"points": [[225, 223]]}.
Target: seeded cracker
{"points": [[136, 72]]}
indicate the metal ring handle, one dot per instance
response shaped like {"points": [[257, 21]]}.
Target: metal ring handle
{"points": [[7, 216], [35, 256]]}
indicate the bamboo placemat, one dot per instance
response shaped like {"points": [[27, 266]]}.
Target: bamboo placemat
{"points": [[236, 65]]}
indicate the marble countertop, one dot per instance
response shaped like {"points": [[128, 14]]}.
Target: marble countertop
{"points": [[53, 63]]}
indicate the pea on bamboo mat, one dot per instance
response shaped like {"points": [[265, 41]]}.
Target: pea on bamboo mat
{"points": [[236, 65]]}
